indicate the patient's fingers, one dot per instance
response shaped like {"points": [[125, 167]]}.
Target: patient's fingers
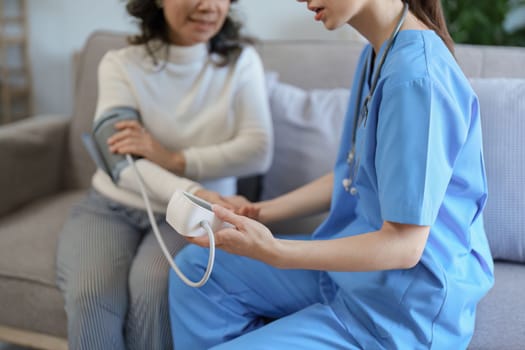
{"points": [[128, 124], [129, 145], [237, 201], [125, 134]]}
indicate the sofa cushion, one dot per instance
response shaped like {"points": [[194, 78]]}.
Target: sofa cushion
{"points": [[86, 92], [307, 128], [28, 241], [500, 318], [502, 104]]}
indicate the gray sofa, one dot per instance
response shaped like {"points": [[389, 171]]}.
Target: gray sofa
{"points": [[45, 169]]}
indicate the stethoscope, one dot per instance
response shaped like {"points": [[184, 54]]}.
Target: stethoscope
{"points": [[360, 117]]}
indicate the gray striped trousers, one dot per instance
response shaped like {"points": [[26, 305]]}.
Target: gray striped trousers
{"points": [[114, 277]]}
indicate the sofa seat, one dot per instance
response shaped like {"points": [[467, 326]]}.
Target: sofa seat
{"points": [[498, 317], [27, 265]]}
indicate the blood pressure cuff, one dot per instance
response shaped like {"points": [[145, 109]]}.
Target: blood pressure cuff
{"points": [[96, 142]]}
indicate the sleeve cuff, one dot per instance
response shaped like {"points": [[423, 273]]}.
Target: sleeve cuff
{"points": [[191, 170]]}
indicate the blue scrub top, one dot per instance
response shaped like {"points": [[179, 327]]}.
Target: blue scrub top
{"points": [[421, 162]]}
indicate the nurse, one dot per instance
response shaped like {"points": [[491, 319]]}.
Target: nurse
{"points": [[402, 260]]}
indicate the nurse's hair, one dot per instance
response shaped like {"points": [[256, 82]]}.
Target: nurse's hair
{"points": [[154, 32], [430, 12]]}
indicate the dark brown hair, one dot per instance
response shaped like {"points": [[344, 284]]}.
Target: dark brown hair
{"points": [[431, 14], [154, 32]]}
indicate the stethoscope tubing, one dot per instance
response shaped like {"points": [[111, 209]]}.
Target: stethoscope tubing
{"points": [[361, 114]]}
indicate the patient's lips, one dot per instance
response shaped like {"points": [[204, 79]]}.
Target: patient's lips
{"points": [[204, 22]]}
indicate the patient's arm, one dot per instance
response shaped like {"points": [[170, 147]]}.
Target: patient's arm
{"points": [[159, 182]]}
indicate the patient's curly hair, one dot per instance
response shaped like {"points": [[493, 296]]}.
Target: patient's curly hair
{"points": [[154, 32]]}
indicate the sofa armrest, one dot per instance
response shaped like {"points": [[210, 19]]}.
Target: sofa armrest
{"points": [[31, 157]]}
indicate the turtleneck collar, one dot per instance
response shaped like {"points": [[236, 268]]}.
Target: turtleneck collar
{"points": [[187, 54], [178, 55]]}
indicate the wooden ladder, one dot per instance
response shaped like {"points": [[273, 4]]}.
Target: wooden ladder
{"points": [[15, 73]]}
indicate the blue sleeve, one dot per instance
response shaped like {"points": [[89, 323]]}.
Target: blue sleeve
{"points": [[420, 132]]}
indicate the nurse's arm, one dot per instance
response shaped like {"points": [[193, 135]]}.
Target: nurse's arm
{"points": [[394, 246], [312, 198]]}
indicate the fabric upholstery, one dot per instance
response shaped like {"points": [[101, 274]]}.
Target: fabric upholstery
{"points": [[491, 61], [82, 167], [502, 103], [309, 64], [32, 151], [500, 320], [307, 128], [27, 265]]}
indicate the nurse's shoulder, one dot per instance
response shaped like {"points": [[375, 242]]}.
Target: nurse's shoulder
{"points": [[421, 57]]}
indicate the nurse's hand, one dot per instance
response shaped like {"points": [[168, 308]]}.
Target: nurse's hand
{"points": [[247, 238]]}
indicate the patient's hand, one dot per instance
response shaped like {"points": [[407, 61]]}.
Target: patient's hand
{"points": [[251, 210], [243, 206], [237, 201], [238, 204], [132, 138], [214, 198]]}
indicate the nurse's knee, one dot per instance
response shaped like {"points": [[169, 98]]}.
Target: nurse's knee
{"points": [[192, 261], [188, 261]]}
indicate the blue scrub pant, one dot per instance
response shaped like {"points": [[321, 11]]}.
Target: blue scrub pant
{"points": [[231, 311]]}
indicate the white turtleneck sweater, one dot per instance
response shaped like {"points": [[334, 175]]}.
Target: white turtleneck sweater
{"points": [[217, 116]]}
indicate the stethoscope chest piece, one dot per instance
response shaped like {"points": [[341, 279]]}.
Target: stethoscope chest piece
{"points": [[347, 184]]}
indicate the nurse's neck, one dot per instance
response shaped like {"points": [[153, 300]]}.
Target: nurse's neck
{"points": [[377, 19]]}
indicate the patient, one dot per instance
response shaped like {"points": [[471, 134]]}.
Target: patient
{"points": [[199, 90]]}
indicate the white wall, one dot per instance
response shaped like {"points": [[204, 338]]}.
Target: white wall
{"points": [[58, 28], [284, 19]]}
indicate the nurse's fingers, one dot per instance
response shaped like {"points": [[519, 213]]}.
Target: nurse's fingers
{"points": [[203, 241], [226, 239], [229, 216]]}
